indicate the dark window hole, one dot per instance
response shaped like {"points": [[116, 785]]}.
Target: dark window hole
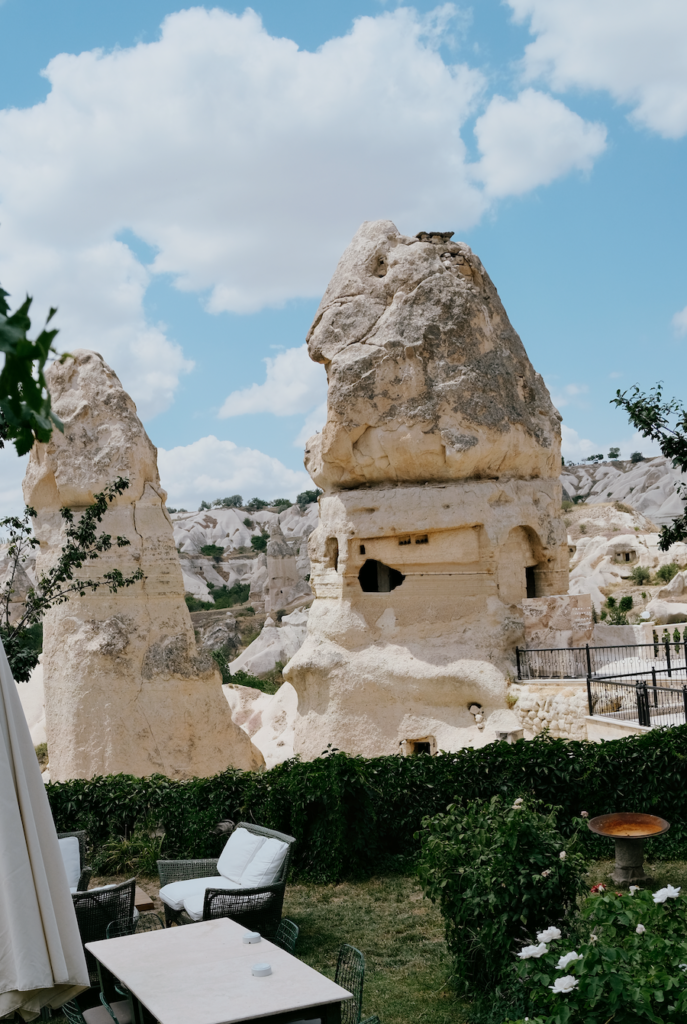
{"points": [[362, 549], [377, 578], [422, 540], [529, 578]]}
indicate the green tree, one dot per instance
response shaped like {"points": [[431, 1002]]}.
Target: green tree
{"points": [[233, 501], [640, 574], [636, 457], [25, 412], [255, 504], [613, 454], [213, 551], [308, 497], [58, 584], [281, 503], [666, 572], [259, 544]]}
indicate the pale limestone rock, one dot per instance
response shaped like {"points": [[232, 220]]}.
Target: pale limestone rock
{"points": [[427, 378], [274, 644], [125, 688], [284, 585], [560, 708], [440, 462], [268, 719], [561, 621], [32, 697], [664, 612]]}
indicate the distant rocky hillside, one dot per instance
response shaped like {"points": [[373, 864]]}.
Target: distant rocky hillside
{"points": [[227, 529], [649, 487]]}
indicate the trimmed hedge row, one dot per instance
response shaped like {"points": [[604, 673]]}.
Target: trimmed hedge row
{"points": [[355, 816]]}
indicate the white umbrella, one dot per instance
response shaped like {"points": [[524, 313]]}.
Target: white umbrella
{"points": [[41, 957]]}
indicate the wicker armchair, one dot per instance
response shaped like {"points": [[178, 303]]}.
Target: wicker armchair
{"points": [[247, 906], [286, 935], [96, 909], [86, 872]]}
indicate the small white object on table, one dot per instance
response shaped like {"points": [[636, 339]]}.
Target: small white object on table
{"points": [[202, 973]]}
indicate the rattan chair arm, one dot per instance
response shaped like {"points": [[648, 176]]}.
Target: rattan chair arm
{"points": [[257, 891], [184, 870], [84, 879]]}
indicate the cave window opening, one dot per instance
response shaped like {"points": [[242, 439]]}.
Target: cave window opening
{"points": [[377, 578], [529, 579], [421, 747], [362, 549], [332, 554], [422, 540], [404, 540]]}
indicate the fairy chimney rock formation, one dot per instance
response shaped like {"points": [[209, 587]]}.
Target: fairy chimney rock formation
{"points": [[440, 464], [126, 689]]}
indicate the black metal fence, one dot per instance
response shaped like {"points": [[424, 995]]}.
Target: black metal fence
{"points": [[625, 660], [642, 683]]}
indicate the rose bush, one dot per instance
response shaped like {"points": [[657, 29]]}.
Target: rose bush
{"points": [[496, 871], [630, 966]]}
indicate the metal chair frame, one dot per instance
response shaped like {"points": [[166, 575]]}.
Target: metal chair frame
{"points": [[96, 909], [286, 935], [350, 974]]}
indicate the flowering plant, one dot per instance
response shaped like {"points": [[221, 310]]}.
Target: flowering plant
{"points": [[496, 872], [630, 966]]}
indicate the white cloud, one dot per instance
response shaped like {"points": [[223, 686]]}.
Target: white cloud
{"points": [[569, 393], [531, 141], [636, 51], [210, 468], [575, 448], [293, 384], [679, 322], [247, 164], [12, 469]]}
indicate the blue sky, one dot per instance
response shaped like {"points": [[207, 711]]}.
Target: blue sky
{"points": [[182, 189]]}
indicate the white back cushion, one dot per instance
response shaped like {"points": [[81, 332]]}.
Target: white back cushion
{"points": [[265, 865], [241, 847], [69, 848]]}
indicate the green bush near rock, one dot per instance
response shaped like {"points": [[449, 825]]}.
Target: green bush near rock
{"points": [[499, 871], [357, 817]]}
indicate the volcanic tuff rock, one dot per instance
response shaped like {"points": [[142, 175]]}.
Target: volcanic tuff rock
{"points": [[126, 689], [440, 463], [427, 378]]}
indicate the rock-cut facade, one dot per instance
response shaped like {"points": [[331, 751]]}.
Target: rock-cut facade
{"points": [[440, 464]]}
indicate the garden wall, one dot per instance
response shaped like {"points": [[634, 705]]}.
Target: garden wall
{"points": [[355, 816]]}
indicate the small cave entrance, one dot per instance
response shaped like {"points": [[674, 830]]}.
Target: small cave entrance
{"points": [[377, 578], [530, 581]]}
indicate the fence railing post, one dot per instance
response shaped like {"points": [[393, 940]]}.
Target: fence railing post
{"points": [[589, 695], [517, 661], [589, 663], [643, 713], [667, 643], [653, 683], [684, 701]]}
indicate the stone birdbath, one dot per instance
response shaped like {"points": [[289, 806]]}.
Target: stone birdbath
{"points": [[629, 832]]}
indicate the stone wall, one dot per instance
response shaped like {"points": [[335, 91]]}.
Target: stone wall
{"points": [[560, 708]]}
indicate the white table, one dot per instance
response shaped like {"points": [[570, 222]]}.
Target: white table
{"points": [[201, 974]]}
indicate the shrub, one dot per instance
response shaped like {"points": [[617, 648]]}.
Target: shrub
{"points": [[640, 574], [613, 454], [213, 551], [281, 503], [355, 816], [629, 967], [255, 504], [136, 855], [249, 523], [259, 544], [500, 872], [625, 603], [246, 679], [308, 497], [636, 457], [223, 597], [666, 572]]}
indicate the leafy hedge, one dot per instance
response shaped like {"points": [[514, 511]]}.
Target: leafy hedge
{"points": [[355, 816]]}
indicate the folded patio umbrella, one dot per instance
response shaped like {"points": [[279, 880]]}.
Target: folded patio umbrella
{"points": [[41, 957]]}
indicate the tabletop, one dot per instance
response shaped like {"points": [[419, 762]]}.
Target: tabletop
{"points": [[202, 972]]}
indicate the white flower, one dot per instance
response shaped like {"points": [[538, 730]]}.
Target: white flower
{"points": [[564, 984], [517, 806], [530, 951], [545, 874], [593, 937], [640, 929], [584, 814], [683, 967], [562, 855], [567, 959], [634, 889], [668, 893], [518, 800], [549, 935]]}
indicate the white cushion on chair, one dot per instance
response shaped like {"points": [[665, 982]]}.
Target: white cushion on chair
{"points": [[176, 893], [193, 905], [240, 849], [265, 866], [71, 855], [99, 1015]]}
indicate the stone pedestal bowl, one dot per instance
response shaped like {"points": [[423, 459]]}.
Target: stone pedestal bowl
{"points": [[629, 832]]}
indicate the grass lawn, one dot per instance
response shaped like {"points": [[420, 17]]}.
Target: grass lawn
{"points": [[408, 974]]}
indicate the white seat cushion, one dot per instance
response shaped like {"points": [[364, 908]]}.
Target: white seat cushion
{"points": [[175, 893], [99, 1015], [265, 866], [71, 855], [240, 849]]}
